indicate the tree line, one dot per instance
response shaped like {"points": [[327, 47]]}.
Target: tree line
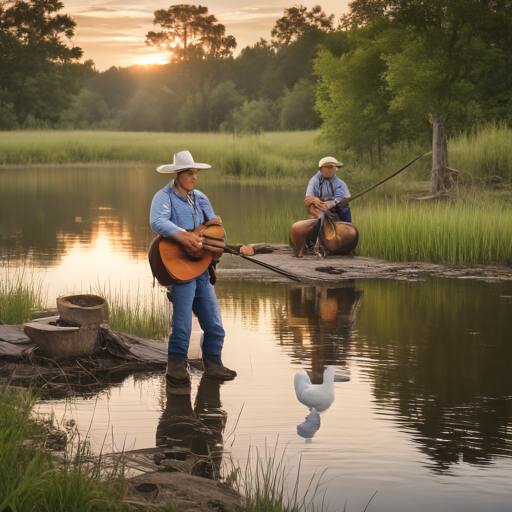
{"points": [[387, 72], [268, 86]]}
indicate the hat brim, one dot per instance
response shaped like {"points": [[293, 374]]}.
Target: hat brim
{"points": [[173, 169], [337, 164]]}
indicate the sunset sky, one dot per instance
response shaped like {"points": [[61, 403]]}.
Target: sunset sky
{"points": [[112, 32]]}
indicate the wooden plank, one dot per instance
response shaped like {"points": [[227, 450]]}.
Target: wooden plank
{"points": [[12, 335], [12, 351]]}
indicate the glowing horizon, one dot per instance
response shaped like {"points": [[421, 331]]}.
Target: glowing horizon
{"points": [[112, 33]]}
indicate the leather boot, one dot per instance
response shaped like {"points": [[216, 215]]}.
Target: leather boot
{"points": [[177, 376], [218, 371]]}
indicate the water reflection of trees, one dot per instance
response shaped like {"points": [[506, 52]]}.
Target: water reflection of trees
{"points": [[438, 352], [443, 353], [46, 210]]}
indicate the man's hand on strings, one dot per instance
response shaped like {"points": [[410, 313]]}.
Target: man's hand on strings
{"points": [[191, 242]]}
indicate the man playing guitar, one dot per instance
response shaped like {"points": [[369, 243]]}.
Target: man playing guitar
{"points": [[176, 211]]}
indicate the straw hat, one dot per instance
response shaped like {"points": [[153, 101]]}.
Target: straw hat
{"points": [[182, 161], [329, 160]]}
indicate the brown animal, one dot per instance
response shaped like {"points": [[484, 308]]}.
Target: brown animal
{"points": [[336, 237]]}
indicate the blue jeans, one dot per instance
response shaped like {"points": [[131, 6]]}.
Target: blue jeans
{"points": [[198, 296], [344, 214]]}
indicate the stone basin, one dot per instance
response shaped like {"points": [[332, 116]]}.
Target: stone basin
{"points": [[83, 309]]}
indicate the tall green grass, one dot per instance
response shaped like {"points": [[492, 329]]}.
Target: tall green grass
{"points": [[271, 155], [484, 151], [136, 312], [20, 294], [264, 482], [469, 230], [31, 479]]}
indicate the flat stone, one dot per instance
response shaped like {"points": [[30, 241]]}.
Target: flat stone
{"points": [[187, 492]]}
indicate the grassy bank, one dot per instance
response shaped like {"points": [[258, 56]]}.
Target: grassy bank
{"points": [[271, 155], [469, 230], [142, 314], [31, 478], [481, 152]]}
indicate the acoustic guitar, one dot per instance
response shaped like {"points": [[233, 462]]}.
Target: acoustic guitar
{"points": [[171, 264]]}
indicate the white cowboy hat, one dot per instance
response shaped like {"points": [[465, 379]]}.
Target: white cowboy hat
{"points": [[329, 160], [182, 161]]}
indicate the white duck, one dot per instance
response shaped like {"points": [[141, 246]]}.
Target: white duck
{"points": [[319, 396]]}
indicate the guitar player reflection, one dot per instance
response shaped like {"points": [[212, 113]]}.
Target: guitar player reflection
{"points": [[199, 428]]}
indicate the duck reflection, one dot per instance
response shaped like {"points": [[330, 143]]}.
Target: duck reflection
{"points": [[198, 429], [310, 427], [318, 397]]}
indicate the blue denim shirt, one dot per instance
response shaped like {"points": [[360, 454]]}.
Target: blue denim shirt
{"points": [[171, 212], [327, 189]]}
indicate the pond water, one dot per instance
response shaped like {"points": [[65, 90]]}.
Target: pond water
{"points": [[423, 389]]}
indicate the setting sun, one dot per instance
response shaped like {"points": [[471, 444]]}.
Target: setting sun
{"points": [[153, 58]]}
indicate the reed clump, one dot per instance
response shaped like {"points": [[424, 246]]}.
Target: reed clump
{"points": [[137, 312], [264, 484], [21, 292]]}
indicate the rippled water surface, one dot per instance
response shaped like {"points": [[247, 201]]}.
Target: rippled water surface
{"points": [[423, 390]]}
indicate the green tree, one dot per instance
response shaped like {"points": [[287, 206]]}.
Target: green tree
{"points": [[252, 117], [116, 86], [142, 113], [297, 108], [297, 20], [352, 93], [206, 110], [87, 110], [447, 44], [37, 70], [250, 70], [189, 30]]}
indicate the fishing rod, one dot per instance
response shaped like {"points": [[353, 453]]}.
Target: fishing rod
{"points": [[346, 200], [232, 250]]}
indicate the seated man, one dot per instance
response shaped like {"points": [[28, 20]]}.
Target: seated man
{"points": [[324, 188]]}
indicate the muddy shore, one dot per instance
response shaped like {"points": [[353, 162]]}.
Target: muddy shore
{"points": [[336, 269]]}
